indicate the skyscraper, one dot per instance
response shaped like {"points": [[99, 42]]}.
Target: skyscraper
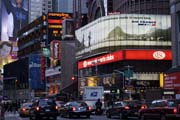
{"points": [[39, 7]]}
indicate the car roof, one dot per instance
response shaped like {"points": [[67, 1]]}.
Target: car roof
{"points": [[165, 100]]}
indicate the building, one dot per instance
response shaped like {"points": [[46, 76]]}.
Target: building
{"points": [[142, 6], [171, 78], [67, 6], [39, 7], [119, 50]]}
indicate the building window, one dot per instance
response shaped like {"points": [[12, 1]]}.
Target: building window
{"points": [[178, 21]]}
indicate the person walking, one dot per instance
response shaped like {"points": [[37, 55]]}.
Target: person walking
{"points": [[2, 112]]}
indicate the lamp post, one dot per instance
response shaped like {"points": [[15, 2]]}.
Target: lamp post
{"points": [[95, 62], [96, 65], [120, 72]]}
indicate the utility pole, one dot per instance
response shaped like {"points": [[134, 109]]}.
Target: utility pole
{"points": [[129, 73], [96, 62]]}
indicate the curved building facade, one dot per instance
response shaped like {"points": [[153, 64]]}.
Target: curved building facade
{"points": [[117, 49], [125, 49]]}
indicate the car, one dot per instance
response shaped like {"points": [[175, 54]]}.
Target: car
{"points": [[60, 105], [162, 109], [134, 107], [76, 108], [24, 109], [118, 108], [43, 107]]}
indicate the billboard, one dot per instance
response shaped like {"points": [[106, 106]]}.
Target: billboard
{"points": [[55, 25], [35, 72], [14, 16], [125, 30]]}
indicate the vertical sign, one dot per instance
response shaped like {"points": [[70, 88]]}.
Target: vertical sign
{"points": [[56, 49], [35, 72], [55, 25]]}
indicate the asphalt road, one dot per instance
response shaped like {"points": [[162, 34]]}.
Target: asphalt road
{"points": [[12, 116]]}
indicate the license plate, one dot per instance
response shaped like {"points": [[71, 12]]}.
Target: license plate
{"points": [[82, 109], [47, 110], [136, 113]]}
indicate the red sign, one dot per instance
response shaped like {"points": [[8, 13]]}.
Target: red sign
{"points": [[148, 55], [126, 55], [172, 81], [56, 49], [42, 68], [52, 21]]}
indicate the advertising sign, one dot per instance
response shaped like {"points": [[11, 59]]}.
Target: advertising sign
{"points": [[171, 81], [126, 55], [55, 25], [123, 30], [14, 16], [35, 72], [56, 49]]}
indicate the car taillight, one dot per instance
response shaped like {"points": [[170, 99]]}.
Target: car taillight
{"points": [[126, 108], [73, 109], [143, 106], [56, 107], [175, 110], [37, 108], [23, 109], [89, 108]]}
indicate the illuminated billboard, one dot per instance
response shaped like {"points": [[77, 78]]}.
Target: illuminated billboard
{"points": [[55, 25], [14, 17], [125, 30]]}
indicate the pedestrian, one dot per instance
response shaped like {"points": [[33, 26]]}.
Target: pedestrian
{"points": [[2, 109]]}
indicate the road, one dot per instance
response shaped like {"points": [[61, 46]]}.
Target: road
{"points": [[12, 116]]}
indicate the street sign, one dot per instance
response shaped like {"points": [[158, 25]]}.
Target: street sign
{"points": [[46, 52], [128, 73]]}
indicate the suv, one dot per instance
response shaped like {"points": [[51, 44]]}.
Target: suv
{"points": [[43, 107], [161, 109]]}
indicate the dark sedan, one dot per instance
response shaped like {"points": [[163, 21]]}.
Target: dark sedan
{"points": [[118, 108], [75, 108], [161, 110], [135, 106], [43, 108]]}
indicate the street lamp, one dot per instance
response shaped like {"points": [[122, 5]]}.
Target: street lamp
{"points": [[96, 65], [120, 72]]}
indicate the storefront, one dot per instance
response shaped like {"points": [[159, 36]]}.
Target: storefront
{"points": [[110, 71]]}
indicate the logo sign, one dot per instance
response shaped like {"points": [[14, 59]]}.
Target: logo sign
{"points": [[159, 55], [94, 94], [56, 49], [55, 25], [126, 55]]}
